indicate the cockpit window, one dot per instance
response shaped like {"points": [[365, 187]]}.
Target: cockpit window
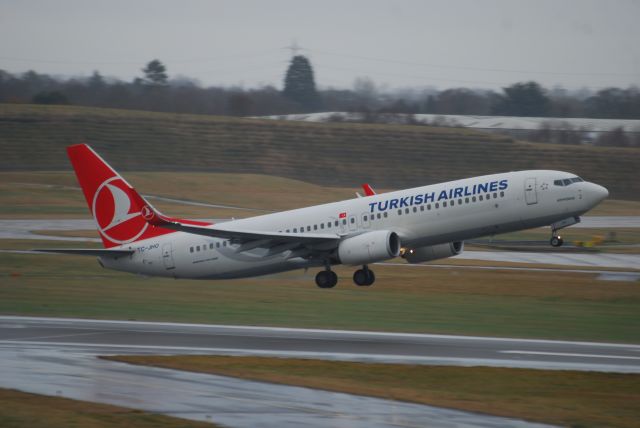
{"points": [[567, 181]]}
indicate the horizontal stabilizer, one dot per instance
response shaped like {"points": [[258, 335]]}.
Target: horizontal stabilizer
{"points": [[95, 252]]}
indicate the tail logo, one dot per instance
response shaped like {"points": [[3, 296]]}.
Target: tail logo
{"points": [[118, 217]]}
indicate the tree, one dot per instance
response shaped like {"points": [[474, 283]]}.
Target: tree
{"points": [[299, 84], [523, 99], [50, 97], [155, 73], [96, 81]]}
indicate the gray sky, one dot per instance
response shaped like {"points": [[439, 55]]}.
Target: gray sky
{"points": [[401, 43]]}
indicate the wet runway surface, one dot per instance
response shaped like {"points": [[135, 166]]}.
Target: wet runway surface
{"points": [[59, 357], [117, 337]]}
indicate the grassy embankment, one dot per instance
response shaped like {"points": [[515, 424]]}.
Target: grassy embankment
{"points": [[577, 399], [34, 138], [534, 304], [21, 409]]}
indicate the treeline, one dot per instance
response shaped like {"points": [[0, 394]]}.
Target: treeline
{"points": [[157, 92]]}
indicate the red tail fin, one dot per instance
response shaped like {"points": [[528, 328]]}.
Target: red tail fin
{"points": [[115, 205]]}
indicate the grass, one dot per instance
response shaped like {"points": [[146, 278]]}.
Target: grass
{"points": [[555, 305], [34, 138], [567, 398], [21, 409]]}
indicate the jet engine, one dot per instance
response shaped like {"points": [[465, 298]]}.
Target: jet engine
{"points": [[369, 247], [432, 252]]}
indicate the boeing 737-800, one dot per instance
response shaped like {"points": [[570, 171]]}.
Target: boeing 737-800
{"points": [[419, 224]]}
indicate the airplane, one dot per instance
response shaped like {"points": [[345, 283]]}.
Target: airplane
{"points": [[418, 224]]}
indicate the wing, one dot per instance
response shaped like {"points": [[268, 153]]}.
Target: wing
{"points": [[96, 252], [275, 242]]}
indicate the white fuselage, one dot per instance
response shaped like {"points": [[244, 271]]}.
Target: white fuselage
{"points": [[421, 216]]}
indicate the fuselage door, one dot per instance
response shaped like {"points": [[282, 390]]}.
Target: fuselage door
{"points": [[167, 256], [530, 193], [365, 220], [352, 222]]}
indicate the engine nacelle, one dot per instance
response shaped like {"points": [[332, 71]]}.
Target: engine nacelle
{"points": [[433, 252], [369, 247]]}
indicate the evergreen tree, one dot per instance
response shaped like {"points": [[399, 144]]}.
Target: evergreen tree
{"points": [[299, 84], [155, 73], [523, 99]]}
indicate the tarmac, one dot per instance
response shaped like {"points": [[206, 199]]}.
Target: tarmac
{"points": [[59, 357]]}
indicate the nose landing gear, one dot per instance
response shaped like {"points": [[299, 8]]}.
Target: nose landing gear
{"points": [[556, 241]]}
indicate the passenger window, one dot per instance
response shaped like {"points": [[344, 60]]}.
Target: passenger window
{"points": [[480, 197], [473, 199], [315, 227], [495, 196], [295, 230], [379, 216], [353, 220], [406, 210], [385, 214], [488, 196], [459, 201], [466, 200], [217, 245], [197, 247], [211, 246], [344, 221], [321, 225], [191, 250], [287, 230], [444, 204], [336, 223], [399, 212], [421, 207], [429, 207], [453, 202], [502, 194], [365, 218], [437, 205], [329, 225]]}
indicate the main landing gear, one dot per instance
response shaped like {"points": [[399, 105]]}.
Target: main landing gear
{"points": [[362, 277], [326, 279]]}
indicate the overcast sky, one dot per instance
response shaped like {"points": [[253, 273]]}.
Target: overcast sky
{"points": [[448, 43]]}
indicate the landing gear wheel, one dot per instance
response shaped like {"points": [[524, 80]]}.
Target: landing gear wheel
{"points": [[556, 241], [364, 277], [326, 279]]}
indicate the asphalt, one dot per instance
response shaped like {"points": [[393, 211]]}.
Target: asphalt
{"points": [[117, 337], [59, 357]]}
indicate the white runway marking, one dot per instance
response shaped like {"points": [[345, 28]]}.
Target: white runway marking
{"points": [[571, 354]]}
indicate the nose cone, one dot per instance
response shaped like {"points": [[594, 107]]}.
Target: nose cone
{"points": [[599, 193], [602, 191]]}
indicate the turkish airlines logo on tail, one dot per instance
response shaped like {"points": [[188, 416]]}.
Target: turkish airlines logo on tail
{"points": [[119, 220]]}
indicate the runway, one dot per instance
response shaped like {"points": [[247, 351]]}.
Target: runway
{"points": [[58, 357], [117, 337]]}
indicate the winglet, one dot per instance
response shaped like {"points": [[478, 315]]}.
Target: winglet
{"points": [[368, 191]]}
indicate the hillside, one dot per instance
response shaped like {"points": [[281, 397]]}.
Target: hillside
{"points": [[33, 138]]}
